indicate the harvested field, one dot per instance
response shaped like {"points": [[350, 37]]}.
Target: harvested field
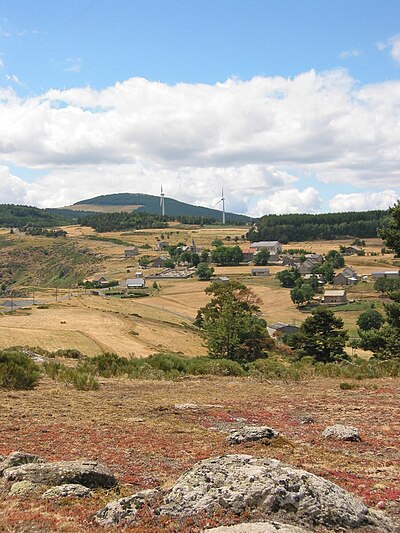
{"points": [[135, 428]]}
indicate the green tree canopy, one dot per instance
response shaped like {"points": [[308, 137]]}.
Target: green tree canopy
{"points": [[261, 258], [321, 336], [370, 319], [204, 271], [390, 232], [232, 323]]}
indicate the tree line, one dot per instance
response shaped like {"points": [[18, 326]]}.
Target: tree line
{"points": [[305, 227], [102, 222]]}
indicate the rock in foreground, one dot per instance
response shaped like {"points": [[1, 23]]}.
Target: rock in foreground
{"points": [[87, 473], [258, 527], [267, 488], [69, 490], [124, 510], [340, 432], [251, 433], [19, 458]]}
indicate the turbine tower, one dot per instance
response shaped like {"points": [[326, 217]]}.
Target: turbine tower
{"points": [[223, 205], [162, 202]]}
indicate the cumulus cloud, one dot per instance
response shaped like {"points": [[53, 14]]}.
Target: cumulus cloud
{"points": [[289, 201], [363, 201], [256, 138]]}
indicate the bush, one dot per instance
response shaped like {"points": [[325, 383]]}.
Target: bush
{"points": [[17, 371], [217, 367], [78, 378]]}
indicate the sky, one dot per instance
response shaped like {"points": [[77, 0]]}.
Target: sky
{"points": [[288, 105]]}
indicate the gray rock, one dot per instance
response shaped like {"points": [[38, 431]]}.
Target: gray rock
{"points": [[19, 458], [251, 433], [69, 490], [21, 488], [87, 473], [340, 432], [124, 510], [258, 527], [268, 489]]}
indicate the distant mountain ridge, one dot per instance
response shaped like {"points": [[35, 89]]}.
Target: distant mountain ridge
{"points": [[146, 203]]}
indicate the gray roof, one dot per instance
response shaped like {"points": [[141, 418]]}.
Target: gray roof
{"points": [[135, 282]]}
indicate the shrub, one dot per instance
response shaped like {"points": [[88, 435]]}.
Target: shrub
{"points": [[77, 377], [216, 367], [348, 386], [168, 362], [17, 371]]}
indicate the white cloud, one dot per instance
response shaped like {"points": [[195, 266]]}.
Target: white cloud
{"points": [[393, 44], [289, 201], [353, 52], [13, 78], [363, 201], [256, 138], [395, 48]]}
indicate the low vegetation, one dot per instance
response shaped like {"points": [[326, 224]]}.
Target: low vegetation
{"points": [[17, 370]]}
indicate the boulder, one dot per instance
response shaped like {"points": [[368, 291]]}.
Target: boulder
{"points": [[69, 490], [87, 473], [124, 510], [268, 489], [258, 527], [340, 432], [251, 433], [21, 488], [19, 458]]}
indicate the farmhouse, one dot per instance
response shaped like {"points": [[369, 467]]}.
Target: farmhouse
{"points": [[159, 262], [280, 328], [351, 250], [261, 271], [248, 254], [273, 247], [347, 277], [136, 283], [389, 274], [131, 252], [288, 260], [308, 266], [161, 245], [316, 258], [334, 297], [97, 281]]}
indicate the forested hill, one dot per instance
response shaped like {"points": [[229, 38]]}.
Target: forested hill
{"points": [[297, 227], [151, 204], [20, 216]]}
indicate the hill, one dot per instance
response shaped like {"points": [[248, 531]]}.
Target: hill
{"points": [[306, 227], [146, 203]]}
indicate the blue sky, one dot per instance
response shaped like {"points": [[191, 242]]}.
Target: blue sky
{"points": [[291, 105]]}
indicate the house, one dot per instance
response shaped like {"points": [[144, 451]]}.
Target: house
{"points": [[273, 247], [131, 252], [317, 258], [139, 274], [288, 260], [280, 328], [389, 274], [97, 281], [159, 262], [161, 245], [351, 250], [248, 254], [348, 277], [136, 283], [260, 271], [334, 297], [308, 266]]}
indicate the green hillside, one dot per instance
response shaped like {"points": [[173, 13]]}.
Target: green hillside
{"points": [[151, 204]]}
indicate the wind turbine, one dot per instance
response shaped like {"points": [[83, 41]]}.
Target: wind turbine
{"points": [[223, 205], [162, 202]]}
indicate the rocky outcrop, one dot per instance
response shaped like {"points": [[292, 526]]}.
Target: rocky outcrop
{"points": [[69, 490], [18, 458], [124, 510], [87, 473], [269, 489], [251, 433], [341, 432], [258, 527]]}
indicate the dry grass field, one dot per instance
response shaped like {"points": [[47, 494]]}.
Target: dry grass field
{"points": [[135, 429], [159, 322]]}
